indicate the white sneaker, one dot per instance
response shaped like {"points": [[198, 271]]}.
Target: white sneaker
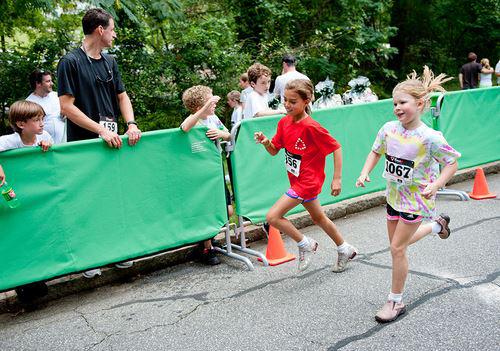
{"points": [[92, 273], [305, 254], [124, 265], [343, 258]]}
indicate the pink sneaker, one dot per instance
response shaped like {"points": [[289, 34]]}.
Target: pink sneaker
{"points": [[390, 311]]}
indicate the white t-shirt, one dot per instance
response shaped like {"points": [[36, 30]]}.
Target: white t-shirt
{"points": [[13, 141], [255, 103], [212, 122], [280, 83], [244, 94], [237, 115], [49, 103], [485, 80]]}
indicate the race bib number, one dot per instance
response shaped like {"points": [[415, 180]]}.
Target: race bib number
{"points": [[398, 170], [292, 163], [108, 123]]}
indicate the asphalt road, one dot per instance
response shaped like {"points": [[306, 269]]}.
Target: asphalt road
{"points": [[452, 293]]}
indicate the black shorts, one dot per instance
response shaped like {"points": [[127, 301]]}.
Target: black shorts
{"points": [[393, 215]]}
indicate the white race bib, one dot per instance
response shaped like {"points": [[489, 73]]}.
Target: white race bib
{"points": [[292, 163], [108, 123], [398, 170]]}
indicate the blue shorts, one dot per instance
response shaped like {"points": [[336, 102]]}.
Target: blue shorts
{"points": [[291, 193], [393, 215]]}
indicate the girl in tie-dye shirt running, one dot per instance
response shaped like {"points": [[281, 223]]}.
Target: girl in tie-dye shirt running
{"points": [[412, 154]]}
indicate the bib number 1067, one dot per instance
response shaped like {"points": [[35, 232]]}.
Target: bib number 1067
{"points": [[398, 170]]}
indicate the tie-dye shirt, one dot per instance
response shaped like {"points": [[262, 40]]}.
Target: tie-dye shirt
{"points": [[427, 149]]}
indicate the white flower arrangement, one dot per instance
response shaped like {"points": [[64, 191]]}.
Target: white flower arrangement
{"points": [[328, 97], [359, 92]]}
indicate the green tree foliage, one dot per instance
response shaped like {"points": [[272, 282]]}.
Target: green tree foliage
{"points": [[165, 46], [440, 33]]}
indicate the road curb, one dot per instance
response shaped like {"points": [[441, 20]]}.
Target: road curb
{"points": [[75, 283]]}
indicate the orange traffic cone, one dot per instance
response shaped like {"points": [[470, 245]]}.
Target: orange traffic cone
{"points": [[276, 253], [480, 190]]}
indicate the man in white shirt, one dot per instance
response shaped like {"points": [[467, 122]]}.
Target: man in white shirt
{"points": [[289, 73], [54, 123]]}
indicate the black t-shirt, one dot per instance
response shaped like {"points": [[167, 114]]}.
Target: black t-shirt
{"points": [[94, 84], [470, 72]]}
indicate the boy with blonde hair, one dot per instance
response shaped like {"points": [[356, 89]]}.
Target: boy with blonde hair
{"points": [[200, 101], [257, 103]]}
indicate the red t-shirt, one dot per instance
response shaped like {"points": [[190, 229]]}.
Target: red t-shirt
{"points": [[306, 145]]}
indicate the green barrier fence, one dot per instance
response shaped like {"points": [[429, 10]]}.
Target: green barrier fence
{"points": [[85, 205], [259, 179], [470, 122]]}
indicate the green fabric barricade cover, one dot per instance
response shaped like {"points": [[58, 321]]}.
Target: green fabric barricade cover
{"points": [[259, 179], [470, 121], [85, 205]]}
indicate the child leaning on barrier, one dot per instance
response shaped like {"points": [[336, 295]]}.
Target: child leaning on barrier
{"points": [[413, 153], [26, 118], [306, 145], [201, 103], [256, 104]]}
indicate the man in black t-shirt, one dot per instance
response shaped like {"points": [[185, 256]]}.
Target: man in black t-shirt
{"points": [[469, 73], [90, 87], [92, 94]]}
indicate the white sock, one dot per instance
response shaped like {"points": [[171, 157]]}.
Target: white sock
{"points": [[395, 297], [343, 248], [436, 227], [304, 242]]}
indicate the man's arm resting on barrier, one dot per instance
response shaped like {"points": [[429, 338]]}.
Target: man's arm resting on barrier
{"points": [[370, 163], [133, 132], [73, 113], [336, 186]]}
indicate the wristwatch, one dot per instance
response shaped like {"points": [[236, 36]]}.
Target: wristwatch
{"points": [[131, 122]]}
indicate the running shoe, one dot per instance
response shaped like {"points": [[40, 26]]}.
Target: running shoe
{"points": [[344, 258], [443, 220], [390, 312], [305, 254], [92, 273], [124, 265]]}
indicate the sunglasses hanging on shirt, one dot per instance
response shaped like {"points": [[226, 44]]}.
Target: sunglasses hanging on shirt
{"points": [[108, 68]]}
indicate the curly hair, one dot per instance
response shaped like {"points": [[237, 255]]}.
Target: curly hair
{"points": [[421, 87], [22, 111], [195, 97], [257, 70]]}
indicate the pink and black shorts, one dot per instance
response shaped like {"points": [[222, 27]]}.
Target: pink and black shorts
{"points": [[291, 193], [393, 215]]}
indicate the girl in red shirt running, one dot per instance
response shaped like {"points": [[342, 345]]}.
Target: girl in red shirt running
{"points": [[306, 145]]}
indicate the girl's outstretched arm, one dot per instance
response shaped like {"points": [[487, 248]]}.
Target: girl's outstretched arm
{"points": [[260, 138], [336, 185], [370, 163], [446, 173]]}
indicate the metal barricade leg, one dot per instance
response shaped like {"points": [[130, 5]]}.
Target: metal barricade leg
{"points": [[243, 247], [229, 252], [462, 195]]}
